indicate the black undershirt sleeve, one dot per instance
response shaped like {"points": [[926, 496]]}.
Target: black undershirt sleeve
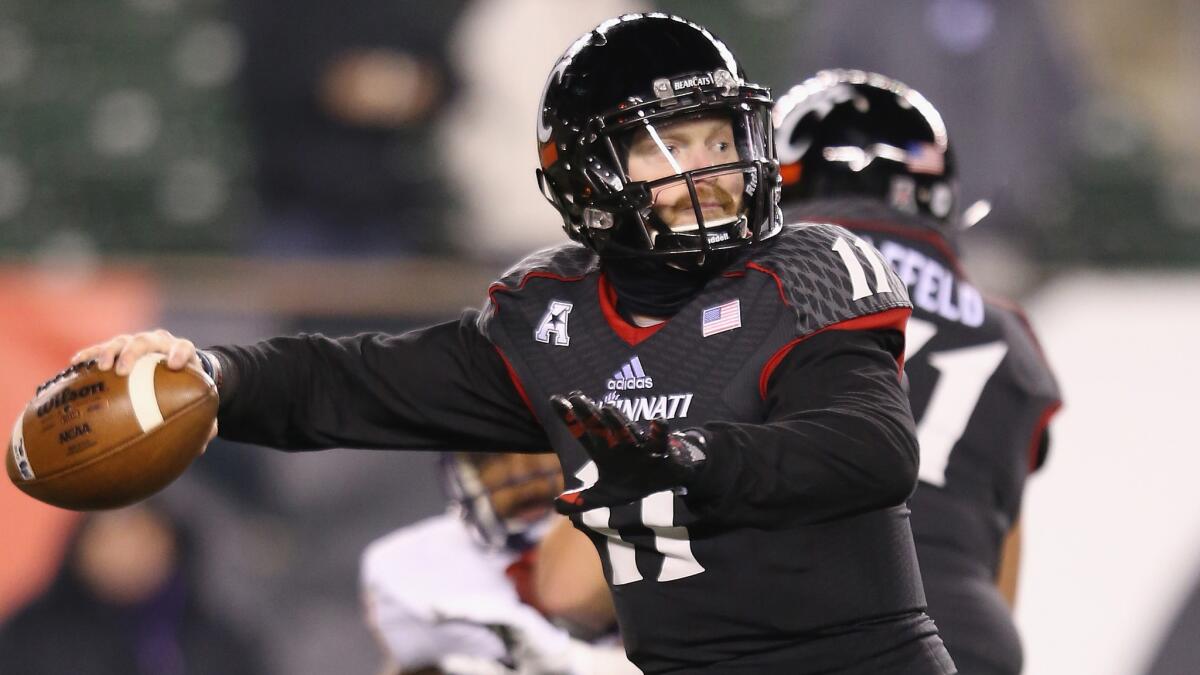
{"points": [[444, 387], [839, 438]]}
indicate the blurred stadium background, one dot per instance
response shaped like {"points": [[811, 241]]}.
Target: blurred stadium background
{"points": [[232, 170]]}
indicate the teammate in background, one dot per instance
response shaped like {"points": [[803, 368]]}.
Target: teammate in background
{"points": [[744, 474], [450, 617], [872, 155]]}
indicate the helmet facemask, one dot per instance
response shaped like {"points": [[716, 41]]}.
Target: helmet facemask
{"points": [[680, 177]]}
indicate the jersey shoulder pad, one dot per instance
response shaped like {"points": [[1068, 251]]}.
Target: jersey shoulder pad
{"points": [[828, 275], [567, 261]]}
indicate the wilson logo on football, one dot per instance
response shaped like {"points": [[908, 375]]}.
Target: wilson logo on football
{"points": [[630, 377], [67, 396]]}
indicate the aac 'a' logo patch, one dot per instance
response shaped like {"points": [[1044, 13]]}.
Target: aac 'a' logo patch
{"points": [[554, 322]]}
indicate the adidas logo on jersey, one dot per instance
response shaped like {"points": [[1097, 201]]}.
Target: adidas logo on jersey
{"points": [[631, 376]]}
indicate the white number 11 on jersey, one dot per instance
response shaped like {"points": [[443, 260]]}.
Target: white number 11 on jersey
{"points": [[658, 514], [859, 288]]}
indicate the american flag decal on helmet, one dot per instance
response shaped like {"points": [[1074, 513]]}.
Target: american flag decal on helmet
{"points": [[926, 158]]}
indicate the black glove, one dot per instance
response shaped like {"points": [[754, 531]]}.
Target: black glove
{"points": [[634, 460]]}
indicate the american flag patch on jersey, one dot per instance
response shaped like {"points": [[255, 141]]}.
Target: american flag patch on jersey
{"points": [[926, 158], [721, 318]]}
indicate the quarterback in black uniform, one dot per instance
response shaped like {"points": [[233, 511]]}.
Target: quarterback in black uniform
{"points": [[872, 155], [723, 392]]}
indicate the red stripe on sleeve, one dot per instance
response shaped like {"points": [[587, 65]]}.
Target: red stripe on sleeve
{"points": [[893, 319]]}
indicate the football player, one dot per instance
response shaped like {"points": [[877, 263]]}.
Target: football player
{"points": [[723, 392], [872, 155], [464, 614]]}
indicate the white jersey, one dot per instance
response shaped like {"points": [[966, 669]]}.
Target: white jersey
{"points": [[422, 582], [408, 574]]}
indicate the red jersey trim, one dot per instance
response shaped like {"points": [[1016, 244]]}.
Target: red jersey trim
{"points": [[1036, 442], [632, 335], [773, 275], [500, 286], [893, 319]]}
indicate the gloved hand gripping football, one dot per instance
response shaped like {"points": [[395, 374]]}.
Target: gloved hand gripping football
{"points": [[634, 459]]}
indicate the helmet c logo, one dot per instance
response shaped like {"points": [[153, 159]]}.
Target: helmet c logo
{"points": [[794, 107]]}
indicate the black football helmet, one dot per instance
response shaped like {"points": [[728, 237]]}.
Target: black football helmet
{"points": [[618, 160], [849, 132]]}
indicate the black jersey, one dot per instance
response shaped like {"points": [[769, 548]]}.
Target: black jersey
{"points": [[791, 553], [729, 572], [982, 394]]}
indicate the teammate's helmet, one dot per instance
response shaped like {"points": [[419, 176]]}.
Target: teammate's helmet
{"points": [[849, 132], [471, 501], [628, 82]]}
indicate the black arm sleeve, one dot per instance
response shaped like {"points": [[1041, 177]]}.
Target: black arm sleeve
{"points": [[839, 438], [439, 388]]}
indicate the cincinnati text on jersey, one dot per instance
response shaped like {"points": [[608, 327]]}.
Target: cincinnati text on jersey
{"points": [[639, 408]]}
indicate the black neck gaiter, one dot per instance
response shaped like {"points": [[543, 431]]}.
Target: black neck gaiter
{"points": [[650, 287]]}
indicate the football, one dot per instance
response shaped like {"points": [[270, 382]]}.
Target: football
{"points": [[92, 439]]}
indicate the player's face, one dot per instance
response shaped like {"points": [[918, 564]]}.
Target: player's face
{"points": [[666, 149], [521, 487]]}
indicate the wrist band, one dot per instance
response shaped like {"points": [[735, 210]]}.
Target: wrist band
{"points": [[211, 366]]}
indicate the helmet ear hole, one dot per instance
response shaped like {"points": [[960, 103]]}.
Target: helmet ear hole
{"points": [[551, 195]]}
